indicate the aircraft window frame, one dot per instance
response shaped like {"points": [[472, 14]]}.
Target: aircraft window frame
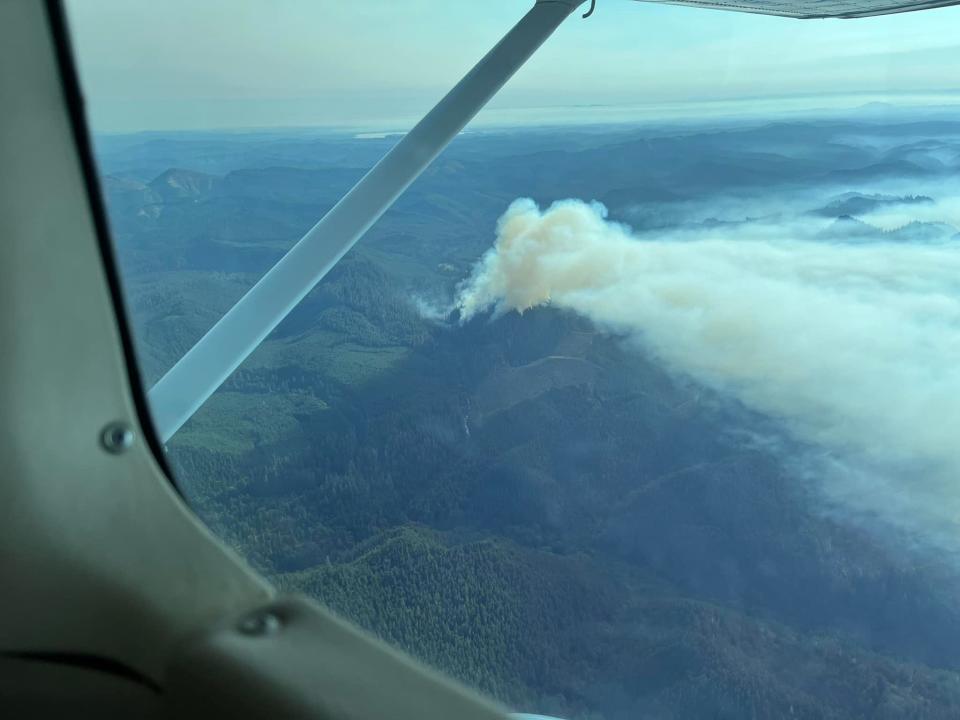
{"points": [[80, 130]]}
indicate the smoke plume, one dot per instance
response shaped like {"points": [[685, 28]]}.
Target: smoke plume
{"points": [[853, 348]]}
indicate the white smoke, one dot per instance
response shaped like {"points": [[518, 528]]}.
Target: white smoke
{"points": [[430, 309], [895, 216], [854, 348]]}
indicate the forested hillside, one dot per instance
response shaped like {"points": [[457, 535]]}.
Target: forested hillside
{"points": [[535, 503]]}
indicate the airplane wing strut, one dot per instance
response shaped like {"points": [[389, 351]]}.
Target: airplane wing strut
{"points": [[188, 384]]}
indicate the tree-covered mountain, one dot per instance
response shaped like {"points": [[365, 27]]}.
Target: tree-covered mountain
{"points": [[530, 502]]}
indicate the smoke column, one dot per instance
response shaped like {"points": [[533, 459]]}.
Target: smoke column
{"points": [[855, 349]]}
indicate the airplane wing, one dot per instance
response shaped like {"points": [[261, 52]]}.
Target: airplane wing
{"points": [[815, 9]]}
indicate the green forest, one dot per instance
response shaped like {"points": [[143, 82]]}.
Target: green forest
{"points": [[528, 502]]}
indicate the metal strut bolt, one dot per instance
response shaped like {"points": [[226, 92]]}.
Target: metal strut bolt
{"points": [[117, 438], [262, 622]]}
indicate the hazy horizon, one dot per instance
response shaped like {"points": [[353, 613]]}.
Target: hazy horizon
{"points": [[690, 113]]}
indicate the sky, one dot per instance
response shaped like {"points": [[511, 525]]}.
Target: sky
{"points": [[380, 64]]}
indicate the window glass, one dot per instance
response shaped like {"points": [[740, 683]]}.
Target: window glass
{"points": [[642, 401]]}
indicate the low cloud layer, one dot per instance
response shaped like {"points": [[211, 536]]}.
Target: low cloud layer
{"points": [[855, 348]]}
